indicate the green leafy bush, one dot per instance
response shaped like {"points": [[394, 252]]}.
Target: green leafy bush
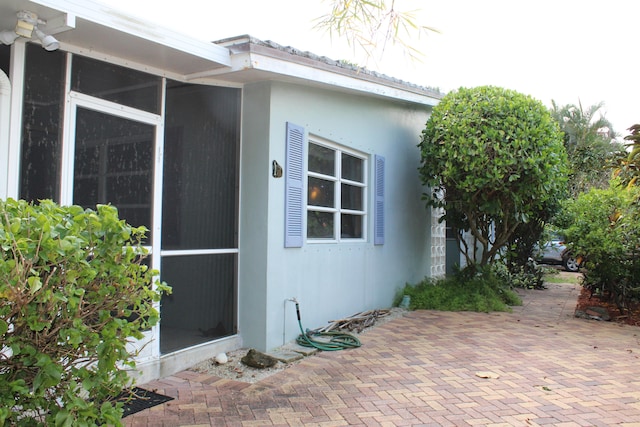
{"points": [[528, 276], [482, 292], [74, 289], [494, 159], [603, 226]]}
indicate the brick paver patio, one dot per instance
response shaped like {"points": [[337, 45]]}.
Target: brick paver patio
{"points": [[428, 369]]}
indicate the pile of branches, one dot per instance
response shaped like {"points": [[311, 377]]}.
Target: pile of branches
{"points": [[357, 322]]}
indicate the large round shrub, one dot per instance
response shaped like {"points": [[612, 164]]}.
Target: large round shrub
{"points": [[74, 289], [494, 158]]}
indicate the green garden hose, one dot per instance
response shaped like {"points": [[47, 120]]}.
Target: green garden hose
{"points": [[325, 341]]}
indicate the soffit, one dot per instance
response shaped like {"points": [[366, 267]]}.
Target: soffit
{"points": [[253, 60], [93, 28], [100, 29]]}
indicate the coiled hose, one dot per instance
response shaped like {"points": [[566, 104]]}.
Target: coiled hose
{"points": [[328, 341]]}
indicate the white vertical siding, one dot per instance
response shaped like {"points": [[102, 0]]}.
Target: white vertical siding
{"points": [[5, 115]]}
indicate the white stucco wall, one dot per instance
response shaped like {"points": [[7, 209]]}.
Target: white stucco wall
{"points": [[330, 280]]}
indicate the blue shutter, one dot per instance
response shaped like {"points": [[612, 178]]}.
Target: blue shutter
{"points": [[294, 186], [378, 209]]}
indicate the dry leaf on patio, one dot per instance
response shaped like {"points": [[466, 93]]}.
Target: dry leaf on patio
{"points": [[492, 375]]}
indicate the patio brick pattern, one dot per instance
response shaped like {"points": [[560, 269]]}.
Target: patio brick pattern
{"points": [[427, 369]]}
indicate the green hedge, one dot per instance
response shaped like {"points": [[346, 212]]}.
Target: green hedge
{"points": [[603, 226], [74, 289]]}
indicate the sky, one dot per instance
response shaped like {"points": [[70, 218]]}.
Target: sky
{"points": [[569, 51]]}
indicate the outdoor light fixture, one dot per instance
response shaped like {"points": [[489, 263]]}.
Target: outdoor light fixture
{"points": [[26, 26], [8, 36], [48, 42], [27, 21]]}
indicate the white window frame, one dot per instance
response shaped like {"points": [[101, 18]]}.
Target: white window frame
{"points": [[337, 210]]}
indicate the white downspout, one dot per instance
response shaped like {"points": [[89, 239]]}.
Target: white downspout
{"points": [[5, 118]]}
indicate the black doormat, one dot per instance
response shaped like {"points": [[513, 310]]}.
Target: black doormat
{"points": [[139, 399]]}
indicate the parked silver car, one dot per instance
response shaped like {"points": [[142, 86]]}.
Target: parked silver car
{"points": [[555, 251]]}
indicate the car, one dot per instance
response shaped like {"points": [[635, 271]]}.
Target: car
{"points": [[554, 251]]}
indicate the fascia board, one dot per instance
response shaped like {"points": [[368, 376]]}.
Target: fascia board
{"points": [[347, 80], [107, 16]]}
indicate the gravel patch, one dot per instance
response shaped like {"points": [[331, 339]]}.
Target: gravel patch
{"points": [[234, 369]]}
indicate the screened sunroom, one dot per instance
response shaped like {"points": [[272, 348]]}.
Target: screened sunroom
{"points": [[166, 153]]}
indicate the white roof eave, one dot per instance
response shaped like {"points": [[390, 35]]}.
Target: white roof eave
{"points": [[253, 60], [100, 28], [250, 67]]}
